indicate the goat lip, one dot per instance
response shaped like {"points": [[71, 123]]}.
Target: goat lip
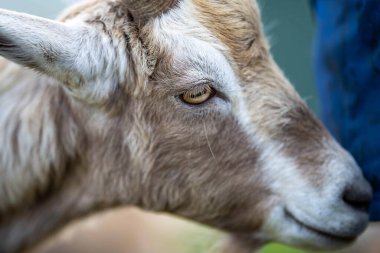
{"points": [[324, 234]]}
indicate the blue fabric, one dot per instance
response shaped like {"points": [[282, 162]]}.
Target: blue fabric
{"points": [[347, 69]]}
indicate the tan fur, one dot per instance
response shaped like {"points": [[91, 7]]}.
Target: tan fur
{"points": [[120, 135], [238, 27]]}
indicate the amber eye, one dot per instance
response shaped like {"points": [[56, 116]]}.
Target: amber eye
{"points": [[198, 95]]}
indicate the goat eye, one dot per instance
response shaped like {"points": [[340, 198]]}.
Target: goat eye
{"points": [[198, 95]]}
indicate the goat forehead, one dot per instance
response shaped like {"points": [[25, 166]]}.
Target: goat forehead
{"points": [[237, 25], [232, 27]]}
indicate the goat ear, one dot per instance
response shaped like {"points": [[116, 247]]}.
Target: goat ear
{"points": [[48, 46]]}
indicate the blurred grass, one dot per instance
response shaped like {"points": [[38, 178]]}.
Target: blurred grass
{"points": [[197, 238], [277, 248]]}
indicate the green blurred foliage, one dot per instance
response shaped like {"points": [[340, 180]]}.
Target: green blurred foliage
{"points": [[277, 248]]}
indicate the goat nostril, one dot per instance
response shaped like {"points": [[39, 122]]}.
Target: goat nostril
{"points": [[357, 198]]}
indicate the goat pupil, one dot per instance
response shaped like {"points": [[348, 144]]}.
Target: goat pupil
{"points": [[198, 94]]}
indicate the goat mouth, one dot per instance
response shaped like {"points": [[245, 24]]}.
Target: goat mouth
{"points": [[324, 234]]}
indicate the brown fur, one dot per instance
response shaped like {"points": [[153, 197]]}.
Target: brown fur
{"points": [[142, 146], [237, 25]]}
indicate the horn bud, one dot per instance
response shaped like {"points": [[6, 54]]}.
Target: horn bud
{"points": [[145, 9]]}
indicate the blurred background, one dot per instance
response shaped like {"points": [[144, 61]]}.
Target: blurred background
{"points": [[289, 25]]}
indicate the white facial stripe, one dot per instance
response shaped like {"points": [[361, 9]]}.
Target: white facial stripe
{"points": [[291, 189], [202, 51], [180, 22]]}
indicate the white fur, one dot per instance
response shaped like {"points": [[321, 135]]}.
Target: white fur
{"points": [[291, 189], [92, 75]]}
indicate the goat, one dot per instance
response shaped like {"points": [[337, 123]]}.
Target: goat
{"points": [[171, 106]]}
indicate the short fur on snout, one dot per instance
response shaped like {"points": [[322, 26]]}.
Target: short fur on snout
{"points": [[103, 125]]}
